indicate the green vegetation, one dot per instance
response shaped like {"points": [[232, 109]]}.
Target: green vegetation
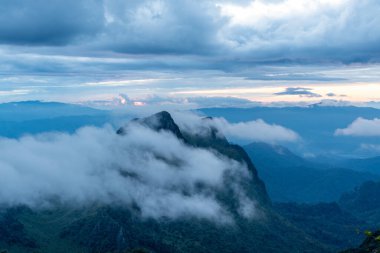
{"points": [[121, 229], [371, 244]]}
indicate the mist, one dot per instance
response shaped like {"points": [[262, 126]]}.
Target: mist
{"points": [[361, 127], [152, 170], [254, 131]]}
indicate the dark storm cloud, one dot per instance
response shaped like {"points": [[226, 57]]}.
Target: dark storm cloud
{"points": [[52, 22], [299, 91], [49, 44], [341, 30], [158, 27]]}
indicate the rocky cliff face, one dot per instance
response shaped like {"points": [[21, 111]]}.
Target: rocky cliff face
{"points": [[213, 140], [253, 225], [115, 229]]}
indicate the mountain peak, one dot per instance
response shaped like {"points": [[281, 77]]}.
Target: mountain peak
{"points": [[159, 121]]}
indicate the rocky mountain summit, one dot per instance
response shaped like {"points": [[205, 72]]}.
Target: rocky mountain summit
{"points": [[247, 220]]}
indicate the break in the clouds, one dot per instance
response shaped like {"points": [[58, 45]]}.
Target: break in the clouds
{"points": [[361, 127], [98, 166], [299, 91]]}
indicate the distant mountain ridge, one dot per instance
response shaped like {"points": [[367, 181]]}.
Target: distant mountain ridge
{"points": [[364, 202], [34, 110], [114, 228], [371, 165], [35, 117], [285, 227], [316, 125], [290, 178]]}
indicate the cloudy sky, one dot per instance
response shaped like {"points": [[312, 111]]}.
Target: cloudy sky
{"points": [[261, 50]]}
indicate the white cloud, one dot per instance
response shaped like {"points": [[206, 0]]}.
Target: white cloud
{"points": [[256, 130], [258, 13], [361, 127], [95, 165], [274, 26]]}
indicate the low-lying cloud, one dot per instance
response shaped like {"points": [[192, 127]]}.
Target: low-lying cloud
{"points": [[361, 127], [256, 130], [153, 171]]}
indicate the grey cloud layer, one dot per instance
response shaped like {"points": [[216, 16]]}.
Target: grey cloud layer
{"points": [[162, 26], [52, 22], [95, 165], [79, 50], [345, 30]]}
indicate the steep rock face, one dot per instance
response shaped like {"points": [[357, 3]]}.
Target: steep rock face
{"points": [[115, 229], [120, 228], [159, 121], [370, 245], [213, 140]]}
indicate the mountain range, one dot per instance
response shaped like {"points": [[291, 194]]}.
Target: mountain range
{"points": [[291, 178], [315, 124], [118, 228], [281, 202]]}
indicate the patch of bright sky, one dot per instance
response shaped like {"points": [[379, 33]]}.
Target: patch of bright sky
{"points": [[355, 92], [72, 78], [259, 12], [362, 87]]}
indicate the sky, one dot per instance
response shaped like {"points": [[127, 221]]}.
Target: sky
{"points": [[220, 51]]}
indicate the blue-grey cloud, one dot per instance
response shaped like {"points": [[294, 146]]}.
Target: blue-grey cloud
{"points": [[331, 94], [76, 47], [159, 27], [335, 31], [299, 91], [49, 22], [346, 32]]}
